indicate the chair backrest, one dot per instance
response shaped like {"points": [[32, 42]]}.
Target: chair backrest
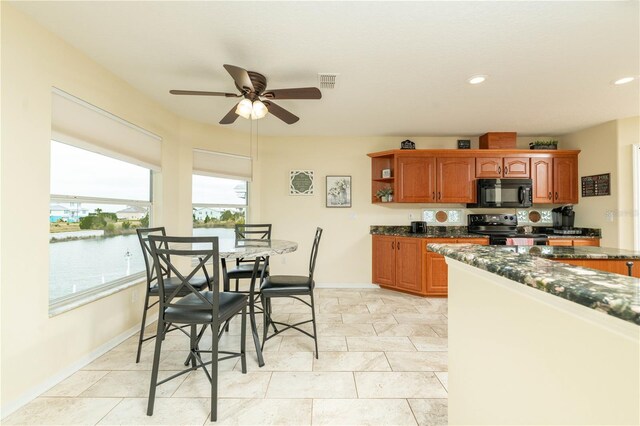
{"points": [[249, 232], [143, 238], [314, 252], [178, 255]]}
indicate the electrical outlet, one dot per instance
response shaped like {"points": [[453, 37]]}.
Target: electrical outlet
{"points": [[283, 259], [609, 214], [134, 297], [410, 216]]}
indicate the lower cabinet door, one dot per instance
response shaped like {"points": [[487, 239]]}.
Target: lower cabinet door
{"points": [[437, 275], [384, 260], [408, 263]]}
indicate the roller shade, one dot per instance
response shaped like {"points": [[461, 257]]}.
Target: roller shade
{"points": [[220, 164], [78, 123]]}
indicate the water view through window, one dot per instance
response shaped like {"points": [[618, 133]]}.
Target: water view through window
{"points": [[218, 204], [97, 202]]}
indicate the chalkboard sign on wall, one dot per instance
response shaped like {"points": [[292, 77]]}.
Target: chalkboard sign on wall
{"points": [[596, 185]]}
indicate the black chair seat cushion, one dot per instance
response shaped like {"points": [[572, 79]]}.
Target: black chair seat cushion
{"points": [[190, 309], [171, 283], [244, 270], [284, 285]]}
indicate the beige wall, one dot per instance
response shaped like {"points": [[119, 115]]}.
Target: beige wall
{"points": [[606, 148], [628, 135], [599, 155], [36, 348]]}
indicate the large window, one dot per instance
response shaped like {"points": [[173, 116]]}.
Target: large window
{"points": [[218, 204], [96, 204]]}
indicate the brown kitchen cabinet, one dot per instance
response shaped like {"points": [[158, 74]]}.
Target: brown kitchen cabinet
{"points": [[502, 167], [437, 271], [449, 175], [416, 179], [555, 180], [397, 262], [615, 266], [405, 264], [568, 242]]}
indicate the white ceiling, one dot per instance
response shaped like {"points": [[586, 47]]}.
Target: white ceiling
{"points": [[403, 65]]}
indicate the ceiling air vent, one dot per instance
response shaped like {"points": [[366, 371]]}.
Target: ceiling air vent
{"points": [[327, 80]]}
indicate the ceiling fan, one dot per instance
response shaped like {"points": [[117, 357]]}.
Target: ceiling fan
{"points": [[253, 87]]}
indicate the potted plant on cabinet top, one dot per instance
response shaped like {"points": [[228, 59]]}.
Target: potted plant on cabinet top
{"points": [[542, 144], [385, 194]]}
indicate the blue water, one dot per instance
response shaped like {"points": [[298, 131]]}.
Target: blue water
{"points": [[79, 265]]}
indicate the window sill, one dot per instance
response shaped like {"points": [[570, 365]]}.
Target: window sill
{"points": [[75, 301]]}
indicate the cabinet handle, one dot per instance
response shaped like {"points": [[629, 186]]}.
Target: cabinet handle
{"points": [[393, 245], [499, 170], [433, 196], [550, 195], [439, 195], [556, 195], [630, 268], [506, 170], [398, 245]]}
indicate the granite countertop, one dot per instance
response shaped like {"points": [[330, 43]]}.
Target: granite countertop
{"points": [[462, 232], [432, 232], [587, 252], [614, 294]]}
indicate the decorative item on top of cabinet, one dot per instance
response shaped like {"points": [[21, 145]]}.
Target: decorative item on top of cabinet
{"points": [[498, 140], [407, 144]]}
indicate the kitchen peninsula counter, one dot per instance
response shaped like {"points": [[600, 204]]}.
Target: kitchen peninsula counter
{"points": [[614, 294], [527, 332]]}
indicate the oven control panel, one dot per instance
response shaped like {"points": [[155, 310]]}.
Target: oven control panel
{"points": [[492, 219]]}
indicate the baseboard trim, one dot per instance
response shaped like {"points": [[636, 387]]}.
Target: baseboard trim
{"points": [[31, 394], [347, 285]]}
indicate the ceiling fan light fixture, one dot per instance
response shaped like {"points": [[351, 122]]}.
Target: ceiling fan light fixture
{"points": [[245, 108], [259, 110]]}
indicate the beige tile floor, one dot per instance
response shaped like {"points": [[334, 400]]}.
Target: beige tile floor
{"points": [[383, 361]]}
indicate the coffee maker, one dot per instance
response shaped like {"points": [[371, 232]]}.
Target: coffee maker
{"points": [[563, 218]]}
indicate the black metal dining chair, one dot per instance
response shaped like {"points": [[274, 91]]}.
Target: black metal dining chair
{"points": [[210, 309], [246, 234], [153, 290], [293, 286]]}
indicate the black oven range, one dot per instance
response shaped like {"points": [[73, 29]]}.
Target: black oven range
{"points": [[501, 229]]}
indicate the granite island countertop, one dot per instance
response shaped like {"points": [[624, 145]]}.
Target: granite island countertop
{"points": [[614, 294], [576, 252]]}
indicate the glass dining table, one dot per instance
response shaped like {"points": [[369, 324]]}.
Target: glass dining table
{"points": [[259, 251]]}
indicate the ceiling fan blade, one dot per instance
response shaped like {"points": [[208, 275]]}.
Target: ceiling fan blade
{"points": [[231, 116], [199, 93], [281, 113], [298, 93], [240, 76]]}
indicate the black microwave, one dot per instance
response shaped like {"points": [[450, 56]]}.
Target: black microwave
{"points": [[503, 193]]}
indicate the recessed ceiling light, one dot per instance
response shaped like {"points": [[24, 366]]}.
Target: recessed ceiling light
{"points": [[477, 79], [623, 80]]}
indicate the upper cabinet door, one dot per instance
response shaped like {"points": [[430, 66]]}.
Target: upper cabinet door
{"points": [[514, 167], [415, 179], [542, 178], [489, 167], [565, 180], [456, 180]]}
